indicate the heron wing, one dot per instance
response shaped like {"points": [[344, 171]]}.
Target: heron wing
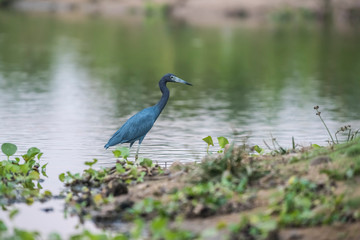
{"points": [[134, 128]]}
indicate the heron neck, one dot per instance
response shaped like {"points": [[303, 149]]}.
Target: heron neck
{"points": [[164, 98]]}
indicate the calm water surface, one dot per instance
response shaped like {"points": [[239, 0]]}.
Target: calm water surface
{"points": [[67, 85]]}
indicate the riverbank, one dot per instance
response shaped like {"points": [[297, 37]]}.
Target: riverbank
{"points": [[237, 192], [302, 193], [209, 12]]}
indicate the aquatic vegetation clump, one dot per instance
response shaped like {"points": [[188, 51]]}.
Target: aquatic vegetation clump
{"points": [[20, 178], [94, 188], [232, 169]]}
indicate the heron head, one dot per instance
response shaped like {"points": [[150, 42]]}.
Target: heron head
{"points": [[172, 78]]}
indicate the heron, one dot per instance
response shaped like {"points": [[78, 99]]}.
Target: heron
{"points": [[137, 126]]}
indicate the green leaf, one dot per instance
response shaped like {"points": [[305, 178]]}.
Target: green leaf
{"points": [[54, 236], [43, 170], [47, 193], [146, 162], [13, 213], [8, 149], [117, 153], [258, 149], [39, 155], [34, 175], [315, 146], [62, 177], [208, 140], [31, 153], [158, 225], [29, 201], [119, 168], [222, 141], [91, 163], [3, 227], [121, 152]]}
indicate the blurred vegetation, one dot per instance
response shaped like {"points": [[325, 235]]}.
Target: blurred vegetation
{"points": [[241, 62]]}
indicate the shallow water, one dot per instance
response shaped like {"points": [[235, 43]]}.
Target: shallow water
{"points": [[67, 85]]}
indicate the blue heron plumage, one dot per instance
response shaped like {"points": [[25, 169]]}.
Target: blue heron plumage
{"points": [[136, 127]]}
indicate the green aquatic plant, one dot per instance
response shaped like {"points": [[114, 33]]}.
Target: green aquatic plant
{"points": [[223, 141], [20, 178], [8, 149]]}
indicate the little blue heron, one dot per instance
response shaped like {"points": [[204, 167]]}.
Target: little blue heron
{"points": [[136, 127]]}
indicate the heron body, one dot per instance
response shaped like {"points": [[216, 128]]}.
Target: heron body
{"points": [[136, 127]]}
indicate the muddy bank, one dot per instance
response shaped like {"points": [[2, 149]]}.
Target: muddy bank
{"points": [[241, 193], [206, 12]]}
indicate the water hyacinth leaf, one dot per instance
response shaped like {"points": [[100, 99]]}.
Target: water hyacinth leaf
{"points": [[29, 201], [39, 156], [117, 153], [208, 140], [13, 213], [34, 175], [91, 163], [8, 149], [31, 153], [124, 152], [119, 168], [222, 141], [62, 177], [316, 146], [43, 170], [121, 152], [258, 149], [3, 227], [54, 236], [145, 162], [47, 193], [158, 225]]}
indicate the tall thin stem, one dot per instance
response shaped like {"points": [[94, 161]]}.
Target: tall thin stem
{"points": [[327, 129]]}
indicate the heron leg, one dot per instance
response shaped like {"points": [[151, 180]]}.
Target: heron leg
{"points": [[137, 151]]}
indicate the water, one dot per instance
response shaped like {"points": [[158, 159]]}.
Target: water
{"points": [[66, 85]]}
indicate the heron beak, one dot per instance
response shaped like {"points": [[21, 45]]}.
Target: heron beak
{"points": [[179, 80]]}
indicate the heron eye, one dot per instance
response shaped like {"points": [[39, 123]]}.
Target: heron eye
{"points": [[172, 77]]}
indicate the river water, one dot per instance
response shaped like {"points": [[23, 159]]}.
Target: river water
{"points": [[66, 85]]}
